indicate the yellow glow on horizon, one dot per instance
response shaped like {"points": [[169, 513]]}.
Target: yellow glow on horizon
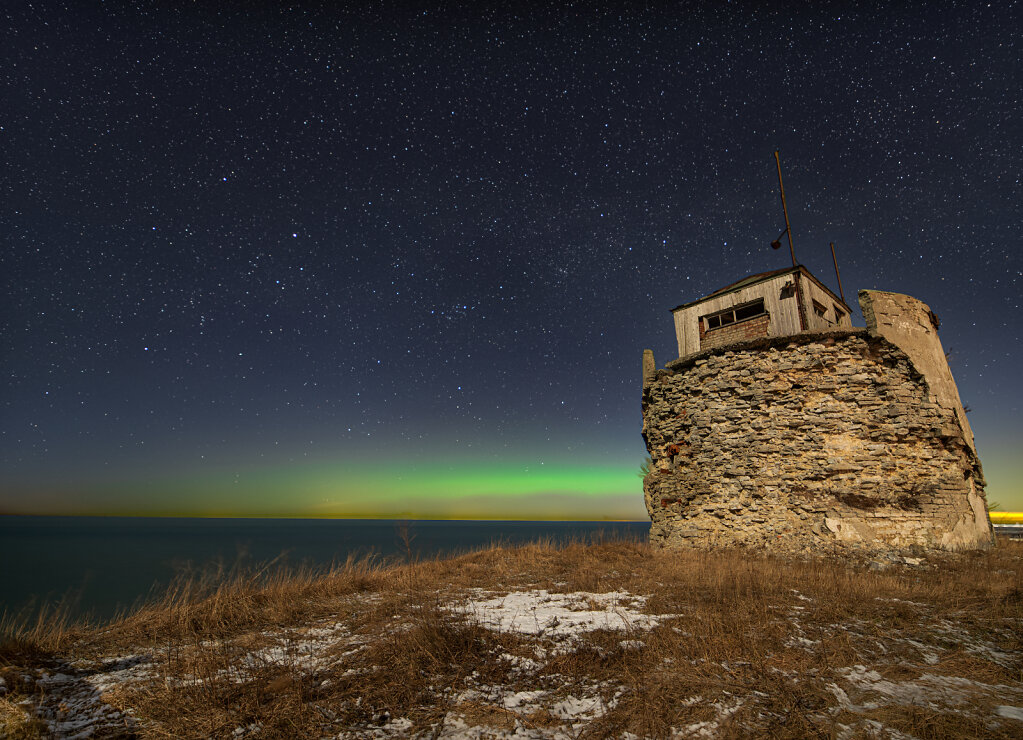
{"points": [[1006, 517]]}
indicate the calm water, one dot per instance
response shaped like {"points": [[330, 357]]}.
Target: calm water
{"points": [[107, 564]]}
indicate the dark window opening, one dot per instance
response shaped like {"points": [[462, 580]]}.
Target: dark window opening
{"points": [[819, 309], [839, 315], [739, 313], [749, 311]]}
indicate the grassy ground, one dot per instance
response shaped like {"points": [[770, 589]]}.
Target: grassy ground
{"points": [[599, 640]]}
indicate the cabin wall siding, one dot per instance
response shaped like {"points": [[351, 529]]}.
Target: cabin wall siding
{"points": [[781, 305], [813, 292], [784, 312]]}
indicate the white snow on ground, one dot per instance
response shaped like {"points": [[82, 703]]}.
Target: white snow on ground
{"points": [[1010, 712], [307, 650], [555, 615], [936, 692], [869, 728], [725, 709], [456, 728], [73, 708], [929, 690], [586, 707], [574, 711], [71, 702], [121, 670], [522, 665], [521, 698], [985, 649]]}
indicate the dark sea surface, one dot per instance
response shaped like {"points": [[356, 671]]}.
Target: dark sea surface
{"points": [[104, 565]]}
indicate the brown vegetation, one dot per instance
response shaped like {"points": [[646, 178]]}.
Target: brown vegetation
{"points": [[753, 646]]}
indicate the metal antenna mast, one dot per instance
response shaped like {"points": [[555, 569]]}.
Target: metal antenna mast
{"points": [[837, 276], [785, 209]]}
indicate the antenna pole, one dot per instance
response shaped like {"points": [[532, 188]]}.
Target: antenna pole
{"points": [[837, 276], [785, 209]]}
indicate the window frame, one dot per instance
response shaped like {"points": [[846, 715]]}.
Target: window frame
{"points": [[729, 316]]}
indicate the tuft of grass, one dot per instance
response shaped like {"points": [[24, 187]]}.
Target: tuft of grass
{"points": [[36, 635], [16, 724]]}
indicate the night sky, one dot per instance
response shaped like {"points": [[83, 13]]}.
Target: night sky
{"points": [[403, 260]]}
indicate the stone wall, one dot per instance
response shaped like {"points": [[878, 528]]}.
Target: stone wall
{"points": [[808, 442], [910, 324]]}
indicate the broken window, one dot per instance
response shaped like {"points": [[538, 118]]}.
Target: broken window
{"points": [[819, 309], [749, 310], [839, 315], [737, 313]]}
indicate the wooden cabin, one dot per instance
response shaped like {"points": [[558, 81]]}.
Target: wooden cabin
{"points": [[768, 304]]}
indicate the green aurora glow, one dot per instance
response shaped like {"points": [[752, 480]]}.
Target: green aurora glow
{"points": [[414, 490]]}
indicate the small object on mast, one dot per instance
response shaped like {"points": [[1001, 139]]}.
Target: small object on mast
{"points": [[776, 244]]}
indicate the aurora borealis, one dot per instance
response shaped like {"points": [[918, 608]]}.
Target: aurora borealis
{"points": [[357, 260], [465, 490]]}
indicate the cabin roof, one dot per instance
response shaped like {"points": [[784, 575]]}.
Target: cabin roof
{"points": [[759, 278]]}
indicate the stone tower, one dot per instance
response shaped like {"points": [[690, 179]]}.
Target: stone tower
{"points": [[824, 437]]}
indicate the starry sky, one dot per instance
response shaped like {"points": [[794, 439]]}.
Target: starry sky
{"points": [[401, 259]]}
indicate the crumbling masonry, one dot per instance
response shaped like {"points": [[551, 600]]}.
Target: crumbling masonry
{"points": [[815, 440]]}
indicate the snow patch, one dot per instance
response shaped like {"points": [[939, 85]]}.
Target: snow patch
{"points": [[1009, 712], [557, 615]]}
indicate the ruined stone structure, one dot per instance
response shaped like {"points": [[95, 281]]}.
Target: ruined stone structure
{"points": [[815, 440]]}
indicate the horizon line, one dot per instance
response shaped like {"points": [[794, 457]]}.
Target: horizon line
{"points": [[355, 517]]}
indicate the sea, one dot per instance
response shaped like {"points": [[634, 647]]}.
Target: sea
{"points": [[102, 567]]}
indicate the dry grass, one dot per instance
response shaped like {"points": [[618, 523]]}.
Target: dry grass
{"points": [[756, 646], [15, 723]]}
